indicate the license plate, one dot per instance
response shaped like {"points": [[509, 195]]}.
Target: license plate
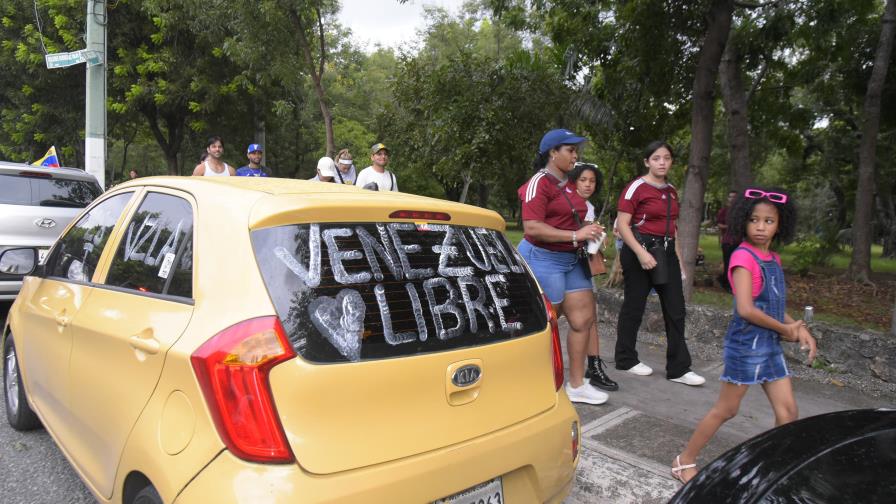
{"points": [[490, 492], [42, 254]]}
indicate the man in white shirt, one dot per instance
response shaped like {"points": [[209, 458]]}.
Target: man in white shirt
{"points": [[377, 175]]}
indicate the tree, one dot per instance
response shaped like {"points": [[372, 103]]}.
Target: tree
{"points": [[40, 107], [718, 24], [860, 264]]}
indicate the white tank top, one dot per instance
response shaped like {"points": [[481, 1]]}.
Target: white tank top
{"points": [[212, 173]]}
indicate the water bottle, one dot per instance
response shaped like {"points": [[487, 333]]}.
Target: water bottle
{"points": [[808, 313]]}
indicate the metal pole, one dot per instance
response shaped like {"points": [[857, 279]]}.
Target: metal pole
{"points": [[95, 127]]}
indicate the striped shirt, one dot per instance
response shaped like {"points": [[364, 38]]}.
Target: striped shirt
{"points": [[543, 201]]}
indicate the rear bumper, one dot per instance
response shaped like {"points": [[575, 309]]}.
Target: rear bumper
{"points": [[533, 457]]}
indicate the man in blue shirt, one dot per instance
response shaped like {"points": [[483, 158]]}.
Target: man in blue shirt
{"points": [[254, 168]]}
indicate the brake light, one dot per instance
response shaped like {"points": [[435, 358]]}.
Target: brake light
{"points": [[232, 369], [557, 351], [35, 174], [419, 215]]}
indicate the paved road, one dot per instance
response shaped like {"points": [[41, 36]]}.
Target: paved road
{"points": [[627, 443]]}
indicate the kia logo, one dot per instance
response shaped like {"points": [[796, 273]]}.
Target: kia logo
{"points": [[466, 375], [45, 223]]}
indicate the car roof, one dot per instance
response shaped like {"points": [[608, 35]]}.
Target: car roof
{"points": [[13, 168], [275, 201]]}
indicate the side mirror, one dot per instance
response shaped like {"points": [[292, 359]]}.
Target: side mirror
{"points": [[18, 261]]}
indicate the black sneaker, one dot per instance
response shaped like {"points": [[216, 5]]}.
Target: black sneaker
{"points": [[597, 377]]}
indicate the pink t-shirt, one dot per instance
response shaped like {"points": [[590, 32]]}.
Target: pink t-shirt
{"points": [[743, 259]]}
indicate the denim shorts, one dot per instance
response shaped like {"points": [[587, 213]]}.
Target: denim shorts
{"points": [[753, 357], [556, 272]]}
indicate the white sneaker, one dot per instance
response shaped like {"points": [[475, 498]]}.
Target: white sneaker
{"points": [[640, 369], [690, 378], [585, 394]]}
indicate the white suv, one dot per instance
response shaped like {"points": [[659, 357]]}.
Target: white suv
{"points": [[36, 204]]}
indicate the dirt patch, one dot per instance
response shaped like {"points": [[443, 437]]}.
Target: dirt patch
{"points": [[831, 293]]}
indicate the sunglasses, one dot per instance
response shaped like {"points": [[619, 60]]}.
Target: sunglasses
{"points": [[774, 197]]}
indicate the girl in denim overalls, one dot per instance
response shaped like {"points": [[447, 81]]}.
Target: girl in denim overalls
{"points": [[753, 353]]}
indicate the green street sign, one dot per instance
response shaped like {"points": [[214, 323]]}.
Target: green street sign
{"points": [[61, 60]]}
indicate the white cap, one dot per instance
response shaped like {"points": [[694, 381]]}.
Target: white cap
{"points": [[326, 167]]}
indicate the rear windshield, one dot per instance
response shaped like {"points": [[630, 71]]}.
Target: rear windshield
{"points": [[19, 190], [351, 292]]}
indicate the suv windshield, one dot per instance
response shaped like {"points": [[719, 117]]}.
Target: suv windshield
{"points": [[20, 190], [350, 292]]}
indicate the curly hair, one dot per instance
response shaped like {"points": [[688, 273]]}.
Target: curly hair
{"points": [[583, 167], [739, 215]]}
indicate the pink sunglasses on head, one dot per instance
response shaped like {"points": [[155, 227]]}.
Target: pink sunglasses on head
{"points": [[774, 197]]}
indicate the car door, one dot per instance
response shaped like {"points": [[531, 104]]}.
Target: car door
{"points": [[50, 303], [121, 336]]}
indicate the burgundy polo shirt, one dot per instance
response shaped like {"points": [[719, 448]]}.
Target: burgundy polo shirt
{"points": [[647, 204], [542, 199]]}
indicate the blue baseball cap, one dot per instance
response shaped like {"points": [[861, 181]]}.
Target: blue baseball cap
{"points": [[254, 147], [558, 137]]}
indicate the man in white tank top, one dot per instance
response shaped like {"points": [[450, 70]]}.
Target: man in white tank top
{"points": [[214, 166]]}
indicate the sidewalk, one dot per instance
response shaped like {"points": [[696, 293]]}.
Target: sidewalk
{"points": [[629, 442]]}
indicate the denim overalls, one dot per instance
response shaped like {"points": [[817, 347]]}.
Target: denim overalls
{"points": [[752, 353]]}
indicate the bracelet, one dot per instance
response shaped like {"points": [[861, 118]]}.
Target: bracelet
{"points": [[575, 242]]}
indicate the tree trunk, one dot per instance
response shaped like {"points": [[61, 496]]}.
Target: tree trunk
{"points": [[483, 194], [717, 27], [316, 70], [734, 97], [860, 264], [463, 193]]}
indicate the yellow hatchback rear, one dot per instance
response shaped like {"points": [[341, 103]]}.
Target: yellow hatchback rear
{"points": [[413, 360]]}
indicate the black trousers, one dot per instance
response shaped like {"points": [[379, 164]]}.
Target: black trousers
{"points": [[637, 288]]}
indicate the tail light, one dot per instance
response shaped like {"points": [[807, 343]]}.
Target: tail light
{"points": [[557, 354], [232, 369]]}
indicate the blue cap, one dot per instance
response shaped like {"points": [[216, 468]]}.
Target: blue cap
{"points": [[558, 137], [254, 147]]}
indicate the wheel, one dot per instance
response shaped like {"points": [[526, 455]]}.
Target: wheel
{"points": [[148, 495], [18, 412]]}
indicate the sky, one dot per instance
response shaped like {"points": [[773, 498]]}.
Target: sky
{"points": [[388, 22]]}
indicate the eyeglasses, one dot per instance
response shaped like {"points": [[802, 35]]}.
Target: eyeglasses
{"points": [[774, 197]]}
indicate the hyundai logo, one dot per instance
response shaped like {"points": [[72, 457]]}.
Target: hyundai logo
{"points": [[44, 223], [466, 375]]}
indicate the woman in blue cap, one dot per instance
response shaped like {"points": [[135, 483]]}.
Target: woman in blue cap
{"points": [[552, 237]]}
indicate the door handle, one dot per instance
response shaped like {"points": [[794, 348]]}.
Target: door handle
{"points": [[149, 345]]}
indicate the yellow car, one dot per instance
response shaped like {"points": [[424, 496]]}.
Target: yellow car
{"points": [[263, 340]]}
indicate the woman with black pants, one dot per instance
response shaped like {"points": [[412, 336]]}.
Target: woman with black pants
{"points": [[648, 211]]}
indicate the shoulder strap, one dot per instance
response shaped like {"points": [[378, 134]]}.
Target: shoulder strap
{"points": [[575, 215], [668, 214]]}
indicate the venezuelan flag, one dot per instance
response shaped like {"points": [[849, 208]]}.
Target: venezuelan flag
{"points": [[50, 159]]}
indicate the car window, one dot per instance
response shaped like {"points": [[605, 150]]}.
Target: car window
{"points": [[156, 251], [15, 190], [350, 292], [64, 192], [77, 253], [46, 191]]}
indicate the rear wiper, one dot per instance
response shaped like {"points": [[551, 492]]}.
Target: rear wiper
{"points": [[60, 203]]}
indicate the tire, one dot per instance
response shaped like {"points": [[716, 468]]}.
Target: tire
{"points": [[19, 414], [148, 495]]}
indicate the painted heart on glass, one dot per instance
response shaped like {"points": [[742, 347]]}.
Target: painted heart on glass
{"points": [[341, 321]]}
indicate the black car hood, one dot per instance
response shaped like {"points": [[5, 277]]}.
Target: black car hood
{"points": [[846, 456]]}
